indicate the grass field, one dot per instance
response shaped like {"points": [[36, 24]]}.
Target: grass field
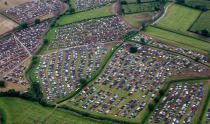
{"points": [[134, 1], [194, 3], [96, 13], [136, 20], [6, 24], [19, 111], [179, 40], [143, 7], [10, 3], [202, 23], [179, 18]]}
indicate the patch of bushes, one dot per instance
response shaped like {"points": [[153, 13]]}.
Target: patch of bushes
{"points": [[2, 84], [133, 49]]}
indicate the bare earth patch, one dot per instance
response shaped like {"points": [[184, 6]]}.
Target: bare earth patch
{"points": [[11, 3], [6, 25]]}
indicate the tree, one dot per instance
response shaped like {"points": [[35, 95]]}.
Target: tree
{"points": [[5, 3], [83, 81], [71, 10], [143, 27], [156, 99], [204, 32], [2, 84], [197, 59], [143, 41], [46, 41], [161, 92], [133, 49], [24, 25], [138, 1], [180, 1], [37, 21], [124, 2], [151, 107]]}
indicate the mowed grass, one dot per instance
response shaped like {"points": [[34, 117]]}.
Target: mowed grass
{"points": [[6, 24], [179, 18], [96, 13], [178, 40], [19, 111], [202, 23], [136, 20], [11, 3]]}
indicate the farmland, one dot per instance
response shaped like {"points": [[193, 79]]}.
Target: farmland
{"points": [[179, 18], [179, 40], [198, 3], [11, 3], [35, 113], [144, 7], [136, 20], [202, 23], [6, 24]]}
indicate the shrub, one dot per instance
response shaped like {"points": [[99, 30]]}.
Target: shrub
{"points": [[37, 21], [151, 107], [161, 92], [83, 81], [124, 2], [2, 84], [133, 49], [205, 32], [156, 99]]}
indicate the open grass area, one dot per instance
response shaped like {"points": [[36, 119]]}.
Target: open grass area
{"points": [[10, 3], [178, 40], [202, 23], [197, 3], [135, 1], [143, 7], [6, 24], [96, 13], [136, 20], [19, 111], [179, 18]]}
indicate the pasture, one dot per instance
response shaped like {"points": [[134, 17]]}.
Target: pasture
{"points": [[143, 7], [11, 3], [136, 20], [198, 3], [35, 113], [178, 40], [202, 23], [6, 24], [135, 1], [178, 18], [96, 13]]}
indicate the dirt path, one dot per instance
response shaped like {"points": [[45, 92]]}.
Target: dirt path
{"points": [[165, 11], [116, 8]]}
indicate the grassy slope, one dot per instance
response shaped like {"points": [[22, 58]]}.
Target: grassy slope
{"points": [[96, 13], [35, 113], [136, 20], [202, 23], [179, 40], [179, 18]]}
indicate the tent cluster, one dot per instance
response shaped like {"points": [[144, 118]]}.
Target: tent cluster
{"points": [[89, 32], [59, 73], [131, 79], [180, 104], [34, 9], [84, 4], [149, 40]]}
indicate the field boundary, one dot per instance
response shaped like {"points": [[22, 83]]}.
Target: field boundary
{"points": [[195, 22]]}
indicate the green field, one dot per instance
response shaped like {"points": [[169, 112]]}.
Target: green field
{"points": [[179, 18], [179, 40], [197, 3], [136, 20], [19, 111], [143, 7], [135, 1], [96, 13], [202, 23]]}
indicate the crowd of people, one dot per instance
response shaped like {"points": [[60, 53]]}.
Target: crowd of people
{"points": [[59, 73], [190, 53], [89, 32], [180, 104], [143, 73], [37, 8], [84, 4]]}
